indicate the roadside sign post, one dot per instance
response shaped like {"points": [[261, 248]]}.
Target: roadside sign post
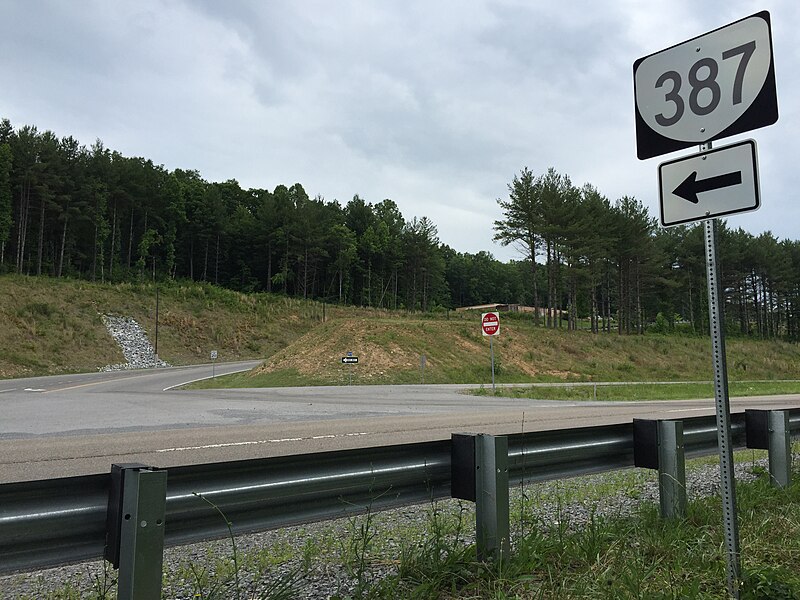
{"points": [[710, 87], [490, 326], [213, 362], [716, 319], [422, 367], [350, 360]]}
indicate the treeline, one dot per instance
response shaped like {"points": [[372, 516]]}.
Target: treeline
{"points": [[611, 263], [69, 210]]}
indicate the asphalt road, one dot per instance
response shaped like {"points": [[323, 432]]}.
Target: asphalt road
{"points": [[79, 424]]}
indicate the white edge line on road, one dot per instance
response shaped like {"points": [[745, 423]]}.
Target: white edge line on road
{"points": [[166, 389], [690, 409], [8, 390], [253, 443]]}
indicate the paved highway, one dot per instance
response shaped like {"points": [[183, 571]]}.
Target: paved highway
{"points": [[80, 424]]}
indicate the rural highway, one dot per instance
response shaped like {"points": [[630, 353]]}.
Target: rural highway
{"points": [[67, 425]]}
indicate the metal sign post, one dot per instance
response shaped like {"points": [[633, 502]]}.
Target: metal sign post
{"points": [[490, 326], [727, 481], [350, 360], [491, 349], [213, 362]]}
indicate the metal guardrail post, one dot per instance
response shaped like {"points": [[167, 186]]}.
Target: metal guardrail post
{"points": [[491, 497], [137, 506], [780, 448], [479, 466], [671, 470], [771, 430], [659, 445]]}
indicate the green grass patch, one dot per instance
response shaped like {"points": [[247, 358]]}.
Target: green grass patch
{"points": [[642, 391]]}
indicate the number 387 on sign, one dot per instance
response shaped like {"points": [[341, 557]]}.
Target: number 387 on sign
{"points": [[709, 87]]}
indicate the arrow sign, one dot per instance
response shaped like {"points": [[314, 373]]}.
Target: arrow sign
{"points": [[690, 187], [713, 183]]}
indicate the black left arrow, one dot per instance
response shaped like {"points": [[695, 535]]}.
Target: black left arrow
{"points": [[690, 187]]}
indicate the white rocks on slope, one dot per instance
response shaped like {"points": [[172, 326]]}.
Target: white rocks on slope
{"points": [[134, 343]]}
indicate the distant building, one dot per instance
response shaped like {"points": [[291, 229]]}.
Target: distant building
{"points": [[518, 308]]}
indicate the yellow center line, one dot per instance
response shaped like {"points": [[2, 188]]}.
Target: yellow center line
{"points": [[73, 387]]}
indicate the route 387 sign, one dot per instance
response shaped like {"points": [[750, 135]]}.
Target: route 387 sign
{"points": [[707, 88]]}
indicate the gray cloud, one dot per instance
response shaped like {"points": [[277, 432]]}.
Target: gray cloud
{"points": [[436, 105]]}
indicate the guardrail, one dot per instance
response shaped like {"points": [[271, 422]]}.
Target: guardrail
{"points": [[57, 521]]}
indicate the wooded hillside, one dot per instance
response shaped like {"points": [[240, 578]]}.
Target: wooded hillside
{"points": [[69, 210]]}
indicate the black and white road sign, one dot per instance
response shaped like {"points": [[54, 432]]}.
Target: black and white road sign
{"points": [[350, 360], [713, 183], [707, 88]]}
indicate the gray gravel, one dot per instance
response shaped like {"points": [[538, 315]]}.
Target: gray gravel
{"points": [[133, 341], [311, 555]]}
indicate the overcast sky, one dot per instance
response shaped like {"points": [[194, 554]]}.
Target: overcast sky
{"points": [[436, 105]]}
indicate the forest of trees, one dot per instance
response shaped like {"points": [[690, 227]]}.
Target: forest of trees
{"points": [[71, 211]]}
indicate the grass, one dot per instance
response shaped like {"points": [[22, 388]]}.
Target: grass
{"points": [[54, 326], [643, 391], [390, 349]]}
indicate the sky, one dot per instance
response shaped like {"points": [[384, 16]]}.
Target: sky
{"points": [[436, 105]]}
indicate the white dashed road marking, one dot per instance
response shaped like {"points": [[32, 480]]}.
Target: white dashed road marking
{"points": [[256, 442]]}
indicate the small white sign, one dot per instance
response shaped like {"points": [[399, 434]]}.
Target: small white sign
{"points": [[213, 355], [713, 183]]}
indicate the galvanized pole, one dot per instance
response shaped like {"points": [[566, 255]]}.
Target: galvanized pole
{"points": [[780, 448], [155, 350], [671, 470], [491, 497], [491, 348], [727, 480], [141, 552]]}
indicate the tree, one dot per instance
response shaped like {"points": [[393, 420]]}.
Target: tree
{"points": [[344, 244], [424, 264], [635, 257], [559, 199], [5, 198], [391, 224], [523, 222]]}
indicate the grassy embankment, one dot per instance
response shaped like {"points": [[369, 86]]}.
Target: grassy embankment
{"points": [[54, 326], [390, 347]]}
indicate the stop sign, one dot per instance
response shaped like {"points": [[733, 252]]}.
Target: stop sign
{"points": [[490, 323]]}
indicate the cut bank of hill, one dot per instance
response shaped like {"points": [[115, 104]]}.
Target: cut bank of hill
{"points": [[54, 326], [390, 351]]}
